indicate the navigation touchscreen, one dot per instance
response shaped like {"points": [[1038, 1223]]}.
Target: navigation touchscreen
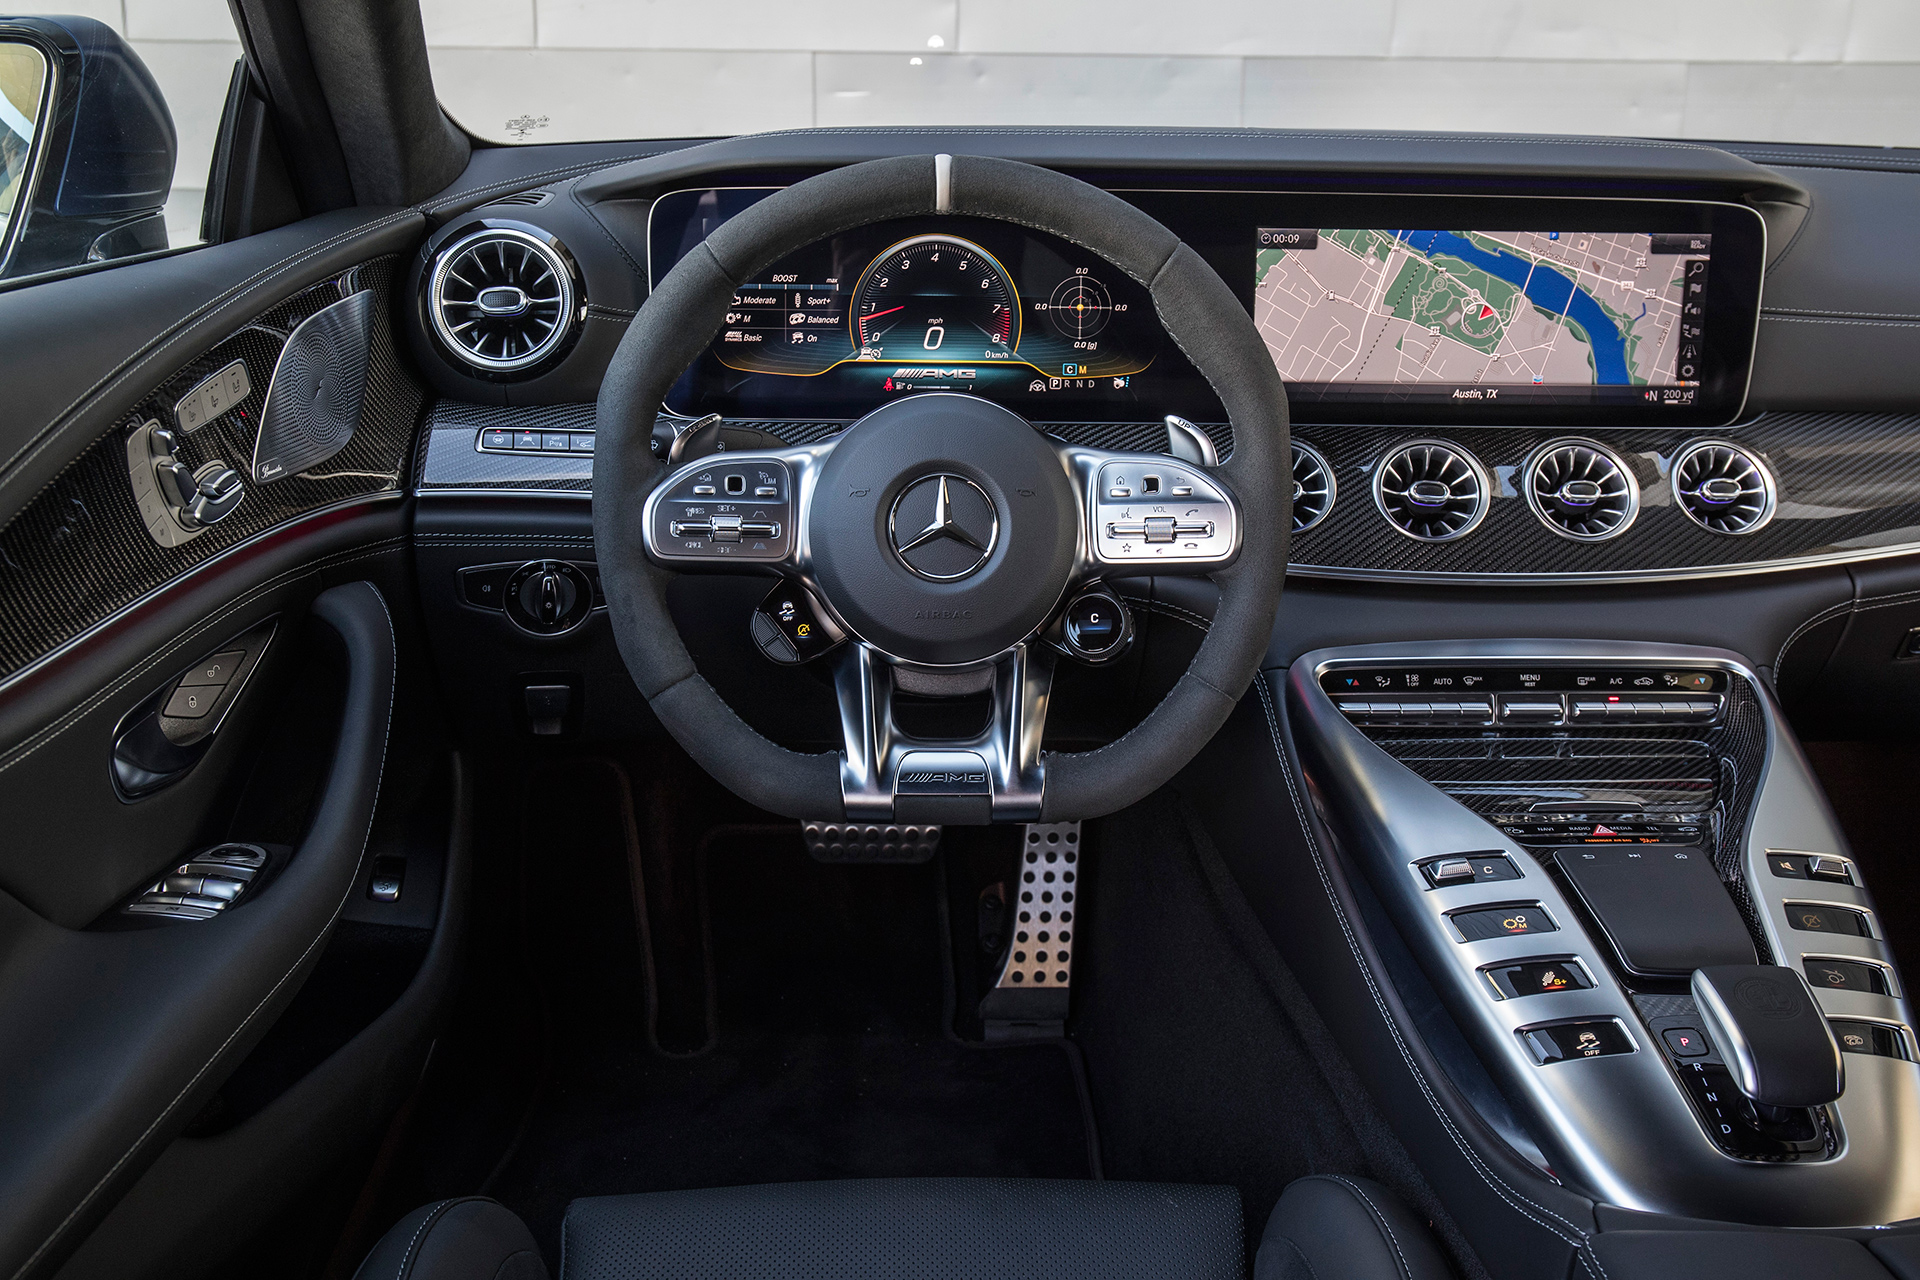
{"points": [[1485, 317]]}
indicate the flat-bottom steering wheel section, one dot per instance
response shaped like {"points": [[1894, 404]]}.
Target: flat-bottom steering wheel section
{"points": [[959, 550]]}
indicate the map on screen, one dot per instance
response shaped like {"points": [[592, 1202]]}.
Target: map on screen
{"points": [[1482, 309]]}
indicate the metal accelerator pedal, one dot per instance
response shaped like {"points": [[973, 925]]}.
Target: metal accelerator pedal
{"points": [[1029, 1000]]}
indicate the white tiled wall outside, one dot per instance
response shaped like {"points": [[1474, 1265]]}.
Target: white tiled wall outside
{"points": [[556, 70], [1799, 70]]}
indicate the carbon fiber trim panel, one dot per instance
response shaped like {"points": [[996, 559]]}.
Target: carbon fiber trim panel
{"points": [[80, 552], [1709, 769], [1849, 486]]}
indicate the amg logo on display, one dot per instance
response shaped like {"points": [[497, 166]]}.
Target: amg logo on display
{"points": [[955, 776], [933, 373]]}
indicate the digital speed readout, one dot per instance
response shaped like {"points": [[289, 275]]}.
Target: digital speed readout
{"points": [[935, 296]]}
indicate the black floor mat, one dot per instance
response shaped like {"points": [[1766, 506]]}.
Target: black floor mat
{"points": [[831, 1058], [1198, 1071]]}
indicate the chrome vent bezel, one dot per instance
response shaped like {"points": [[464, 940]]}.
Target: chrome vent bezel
{"points": [[1399, 469], [1618, 491], [1705, 460], [523, 260], [1314, 485]]}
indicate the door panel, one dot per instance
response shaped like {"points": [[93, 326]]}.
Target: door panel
{"points": [[116, 1035], [130, 1041]]}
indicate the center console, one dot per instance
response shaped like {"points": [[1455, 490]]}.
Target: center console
{"points": [[1614, 866]]}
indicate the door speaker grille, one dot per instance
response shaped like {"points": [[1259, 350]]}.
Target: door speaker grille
{"points": [[319, 384], [1431, 491], [501, 299], [1723, 488], [1581, 489]]}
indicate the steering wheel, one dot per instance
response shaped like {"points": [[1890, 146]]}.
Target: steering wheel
{"points": [[942, 534]]}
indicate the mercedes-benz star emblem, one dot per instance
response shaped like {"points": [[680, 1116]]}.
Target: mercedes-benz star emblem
{"points": [[943, 527]]}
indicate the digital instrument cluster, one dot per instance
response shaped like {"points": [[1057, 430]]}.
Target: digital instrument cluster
{"points": [[924, 304], [1642, 314]]}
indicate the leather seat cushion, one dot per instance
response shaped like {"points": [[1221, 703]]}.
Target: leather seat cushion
{"points": [[910, 1229], [1329, 1227]]}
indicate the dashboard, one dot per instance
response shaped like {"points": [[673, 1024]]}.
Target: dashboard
{"points": [[1497, 374]]}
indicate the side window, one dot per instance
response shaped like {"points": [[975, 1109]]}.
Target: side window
{"points": [[106, 141], [23, 79]]}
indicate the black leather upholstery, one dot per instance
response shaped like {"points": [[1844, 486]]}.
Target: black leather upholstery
{"points": [[891, 1229], [1746, 1254], [467, 1239], [1327, 1227], [910, 1229]]}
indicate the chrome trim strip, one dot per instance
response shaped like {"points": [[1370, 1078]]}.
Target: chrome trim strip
{"points": [[1683, 574], [585, 495]]}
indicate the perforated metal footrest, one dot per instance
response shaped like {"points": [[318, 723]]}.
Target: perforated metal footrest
{"points": [[870, 841], [1029, 999]]}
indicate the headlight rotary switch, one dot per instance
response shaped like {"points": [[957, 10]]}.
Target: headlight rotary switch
{"points": [[547, 597]]}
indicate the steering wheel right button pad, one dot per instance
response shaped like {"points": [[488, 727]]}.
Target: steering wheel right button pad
{"points": [[1152, 510]]}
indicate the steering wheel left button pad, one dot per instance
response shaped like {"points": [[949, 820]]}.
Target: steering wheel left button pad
{"points": [[726, 508]]}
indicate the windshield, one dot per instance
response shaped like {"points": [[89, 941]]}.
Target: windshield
{"points": [[1823, 71]]}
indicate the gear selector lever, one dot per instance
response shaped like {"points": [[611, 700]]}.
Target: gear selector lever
{"points": [[1772, 1033]]}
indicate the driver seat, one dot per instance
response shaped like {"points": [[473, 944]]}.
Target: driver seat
{"points": [[925, 1229]]}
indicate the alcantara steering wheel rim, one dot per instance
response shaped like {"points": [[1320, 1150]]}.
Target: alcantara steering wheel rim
{"points": [[860, 782]]}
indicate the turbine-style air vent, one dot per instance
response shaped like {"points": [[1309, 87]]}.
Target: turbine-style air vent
{"points": [[1723, 488], [1431, 490], [502, 299], [1581, 489], [1313, 487]]}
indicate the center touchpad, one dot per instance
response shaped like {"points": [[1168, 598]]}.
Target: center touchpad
{"points": [[1663, 909]]}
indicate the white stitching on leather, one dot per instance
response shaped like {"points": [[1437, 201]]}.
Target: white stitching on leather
{"points": [[195, 318], [1380, 1219], [1514, 1198], [1256, 135], [434, 1214], [529, 180], [326, 930], [41, 737], [1171, 611], [187, 324], [1863, 604], [1831, 611]]}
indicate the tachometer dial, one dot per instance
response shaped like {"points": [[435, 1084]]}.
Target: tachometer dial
{"points": [[936, 298]]}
